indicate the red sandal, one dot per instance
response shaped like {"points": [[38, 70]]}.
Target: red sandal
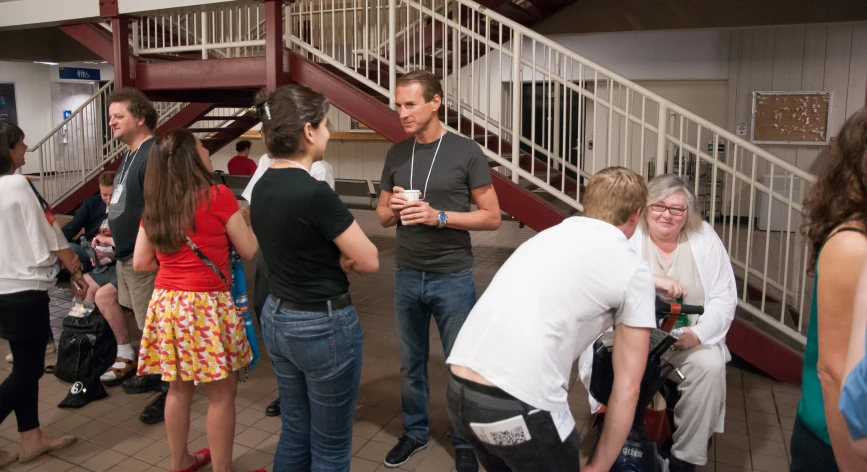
{"points": [[198, 463]]}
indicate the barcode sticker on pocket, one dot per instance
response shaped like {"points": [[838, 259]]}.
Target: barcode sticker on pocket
{"points": [[508, 432]]}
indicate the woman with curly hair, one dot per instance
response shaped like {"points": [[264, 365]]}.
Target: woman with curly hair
{"points": [[837, 230]]}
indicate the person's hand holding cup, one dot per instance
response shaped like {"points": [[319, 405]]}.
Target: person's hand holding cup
{"points": [[410, 196], [397, 200]]}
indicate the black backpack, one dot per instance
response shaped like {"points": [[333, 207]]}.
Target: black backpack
{"points": [[87, 348]]}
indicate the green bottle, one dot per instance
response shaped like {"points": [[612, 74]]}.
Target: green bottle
{"points": [[682, 320]]}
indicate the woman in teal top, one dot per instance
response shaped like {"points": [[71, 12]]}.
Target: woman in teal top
{"points": [[837, 214]]}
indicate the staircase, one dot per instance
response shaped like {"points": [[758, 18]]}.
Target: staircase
{"points": [[546, 117]]}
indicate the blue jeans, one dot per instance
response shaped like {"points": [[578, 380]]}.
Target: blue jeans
{"points": [[417, 296], [317, 360]]}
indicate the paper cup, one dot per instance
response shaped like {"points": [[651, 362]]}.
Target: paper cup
{"points": [[411, 196]]}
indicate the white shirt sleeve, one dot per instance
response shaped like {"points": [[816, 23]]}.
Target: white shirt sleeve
{"points": [[639, 296], [721, 298], [264, 163], [44, 238], [321, 170]]}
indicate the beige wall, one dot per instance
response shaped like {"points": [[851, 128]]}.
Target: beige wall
{"points": [[350, 159], [830, 58]]}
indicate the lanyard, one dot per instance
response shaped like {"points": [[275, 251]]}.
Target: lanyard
{"points": [[659, 260], [412, 164], [293, 163], [125, 171]]}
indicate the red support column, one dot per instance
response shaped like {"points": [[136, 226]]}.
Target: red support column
{"points": [[276, 68], [122, 66]]}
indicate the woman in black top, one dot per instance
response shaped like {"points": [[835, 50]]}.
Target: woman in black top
{"points": [[310, 241]]}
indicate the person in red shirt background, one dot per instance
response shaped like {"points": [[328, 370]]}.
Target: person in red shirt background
{"points": [[242, 164]]}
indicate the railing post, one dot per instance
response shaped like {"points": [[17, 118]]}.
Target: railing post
{"points": [[204, 35], [662, 128], [41, 170], [392, 50], [517, 49]]}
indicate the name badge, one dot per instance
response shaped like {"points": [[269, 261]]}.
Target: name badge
{"points": [[115, 196]]}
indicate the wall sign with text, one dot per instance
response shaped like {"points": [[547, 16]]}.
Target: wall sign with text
{"points": [[78, 73], [8, 106]]}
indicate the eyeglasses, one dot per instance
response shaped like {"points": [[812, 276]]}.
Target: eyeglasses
{"points": [[660, 208]]}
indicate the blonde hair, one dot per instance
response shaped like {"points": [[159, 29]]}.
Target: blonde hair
{"points": [[667, 185], [614, 194]]}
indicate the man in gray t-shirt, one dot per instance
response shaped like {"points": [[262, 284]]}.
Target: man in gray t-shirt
{"points": [[433, 267]]}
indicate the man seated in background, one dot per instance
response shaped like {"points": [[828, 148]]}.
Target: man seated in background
{"points": [[320, 170], [102, 291], [89, 217], [242, 164]]}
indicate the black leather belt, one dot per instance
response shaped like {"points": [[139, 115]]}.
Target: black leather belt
{"points": [[337, 303]]}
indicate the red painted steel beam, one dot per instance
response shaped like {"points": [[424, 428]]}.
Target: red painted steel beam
{"points": [[245, 72], [122, 63], [276, 73], [764, 352], [347, 97], [186, 117], [92, 39], [108, 8]]}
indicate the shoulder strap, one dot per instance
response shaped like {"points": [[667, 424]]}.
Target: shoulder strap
{"points": [[847, 228], [46, 208], [207, 261]]}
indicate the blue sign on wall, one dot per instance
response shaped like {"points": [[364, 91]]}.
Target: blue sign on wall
{"points": [[67, 114], [79, 73], [8, 108]]}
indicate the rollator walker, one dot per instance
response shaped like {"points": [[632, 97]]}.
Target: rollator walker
{"points": [[643, 449]]}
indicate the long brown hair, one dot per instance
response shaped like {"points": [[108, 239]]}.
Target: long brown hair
{"points": [[840, 193], [175, 183]]}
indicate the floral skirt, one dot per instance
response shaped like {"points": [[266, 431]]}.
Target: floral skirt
{"points": [[194, 336]]}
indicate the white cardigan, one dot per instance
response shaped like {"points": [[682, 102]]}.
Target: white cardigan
{"points": [[720, 296]]}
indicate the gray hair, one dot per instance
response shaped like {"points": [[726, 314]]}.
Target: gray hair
{"points": [[666, 185]]}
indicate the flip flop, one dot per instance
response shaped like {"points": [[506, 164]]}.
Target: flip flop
{"points": [[198, 464], [10, 458], [29, 455]]}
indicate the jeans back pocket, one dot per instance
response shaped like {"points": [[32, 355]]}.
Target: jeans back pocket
{"points": [[312, 348]]}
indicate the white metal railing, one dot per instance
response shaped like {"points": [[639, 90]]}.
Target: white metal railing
{"points": [[81, 145], [568, 118]]}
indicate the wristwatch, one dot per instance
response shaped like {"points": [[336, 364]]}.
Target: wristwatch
{"points": [[442, 219]]}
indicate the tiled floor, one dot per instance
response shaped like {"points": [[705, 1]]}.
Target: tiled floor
{"points": [[759, 415]]}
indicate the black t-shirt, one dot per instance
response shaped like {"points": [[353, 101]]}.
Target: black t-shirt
{"points": [[124, 223], [460, 167], [296, 219]]}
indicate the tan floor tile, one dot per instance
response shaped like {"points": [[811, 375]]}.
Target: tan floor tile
{"points": [[249, 416], [78, 452], [362, 465], [730, 468], [269, 445], [373, 451], [763, 463], [733, 441], [365, 429], [735, 427], [55, 465], [768, 447], [787, 423], [763, 406], [758, 394], [787, 398], [70, 423], [735, 457], [32, 466], [96, 409], [435, 464], [105, 460], [253, 460], [251, 437], [269, 424], [131, 464], [768, 419], [738, 414], [154, 453], [757, 431], [133, 444], [111, 436]]}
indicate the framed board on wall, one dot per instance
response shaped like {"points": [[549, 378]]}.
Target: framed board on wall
{"points": [[791, 117], [356, 126], [8, 104]]}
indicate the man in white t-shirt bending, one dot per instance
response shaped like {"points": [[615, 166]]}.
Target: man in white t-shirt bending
{"points": [[511, 362]]}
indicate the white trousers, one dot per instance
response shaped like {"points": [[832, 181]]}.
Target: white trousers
{"points": [[702, 402]]}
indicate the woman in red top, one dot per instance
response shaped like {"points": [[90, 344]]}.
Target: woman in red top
{"points": [[192, 333]]}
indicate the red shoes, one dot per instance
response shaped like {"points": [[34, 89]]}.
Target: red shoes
{"points": [[201, 458]]}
